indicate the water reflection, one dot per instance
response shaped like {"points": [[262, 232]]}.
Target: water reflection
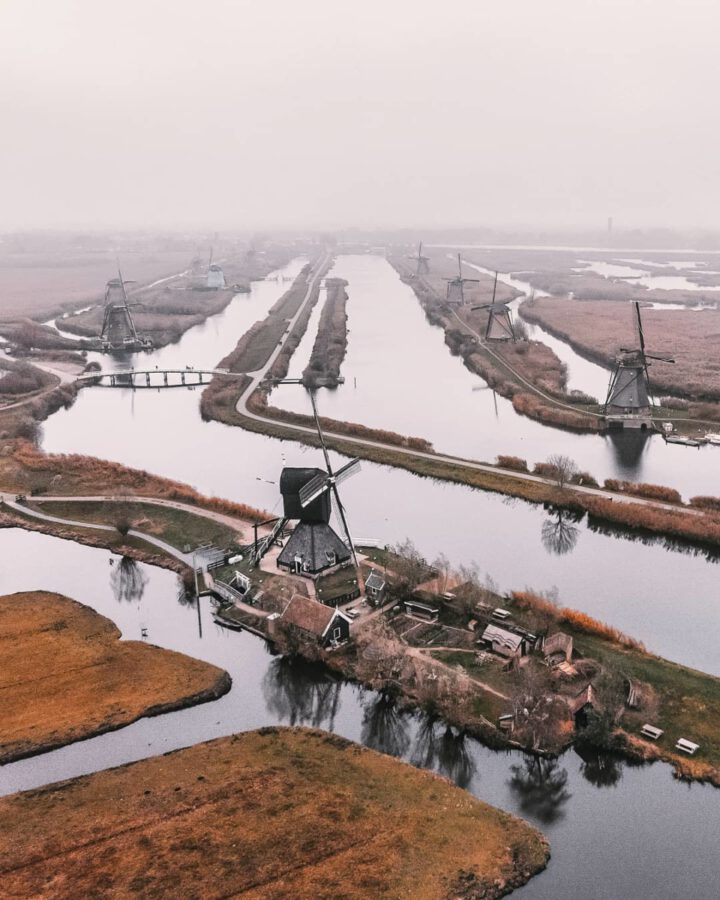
{"points": [[128, 580], [540, 787], [301, 693], [385, 726], [599, 768], [628, 446], [559, 533]]}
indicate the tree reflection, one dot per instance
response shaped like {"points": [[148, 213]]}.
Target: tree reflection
{"points": [[438, 747], [301, 693], [384, 726], [559, 532], [600, 768], [127, 580], [540, 788]]}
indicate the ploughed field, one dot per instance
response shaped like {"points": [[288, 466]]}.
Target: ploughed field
{"points": [[65, 675], [276, 812]]}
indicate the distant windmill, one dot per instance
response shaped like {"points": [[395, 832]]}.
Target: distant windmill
{"points": [[628, 399], [215, 275], [499, 324], [456, 286], [422, 263], [314, 546], [118, 329]]}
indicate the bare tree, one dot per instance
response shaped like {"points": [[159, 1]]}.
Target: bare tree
{"points": [[563, 469], [410, 567]]}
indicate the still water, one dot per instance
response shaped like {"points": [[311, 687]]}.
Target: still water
{"points": [[616, 831]]}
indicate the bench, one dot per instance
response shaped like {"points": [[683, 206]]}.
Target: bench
{"points": [[650, 731], [687, 746]]}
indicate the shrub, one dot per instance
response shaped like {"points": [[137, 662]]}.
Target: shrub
{"points": [[711, 503], [585, 479], [512, 462], [649, 491]]}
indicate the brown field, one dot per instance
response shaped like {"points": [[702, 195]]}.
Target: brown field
{"points": [[279, 813], [598, 328], [65, 675], [38, 285]]}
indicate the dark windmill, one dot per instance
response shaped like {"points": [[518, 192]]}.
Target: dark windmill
{"points": [[118, 328], [215, 275], [456, 286], [313, 546], [422, 263], [499, 324], [629, 401]]}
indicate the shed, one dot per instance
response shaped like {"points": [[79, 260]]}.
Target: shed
{"points": [[583, 703], [558, 645], [504, 643], [324, 624], [375, 586], [421, 610]]}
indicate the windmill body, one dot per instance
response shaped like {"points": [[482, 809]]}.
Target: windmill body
{"points": [[629, 400], [499, 325], [313, 546], [456, 286], [422, 263], [215, 278], [118, 331]]}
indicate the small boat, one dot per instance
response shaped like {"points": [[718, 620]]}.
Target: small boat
{"points": [[712, 438], [681, 439]]}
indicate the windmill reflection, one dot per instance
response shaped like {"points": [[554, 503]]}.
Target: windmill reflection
{"points": [[540, 786], [128, 581], [301, 693], [628, 446], [559, 533]]}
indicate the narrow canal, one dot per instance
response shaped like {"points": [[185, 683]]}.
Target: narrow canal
{"points": [[615, 830]]}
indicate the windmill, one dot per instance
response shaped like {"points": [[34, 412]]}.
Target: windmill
{"points": [[422, 263], [628, 400], [307, 495], [499, 324], [215, 275], [456, 286], [118, 328]]}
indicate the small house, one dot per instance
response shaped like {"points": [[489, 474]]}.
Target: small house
{"points": [[323, 624], [421, 610], [582, 705], [502, 642], [375, 586]]}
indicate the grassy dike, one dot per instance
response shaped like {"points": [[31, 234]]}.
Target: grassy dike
{"points": [[281, 812]]}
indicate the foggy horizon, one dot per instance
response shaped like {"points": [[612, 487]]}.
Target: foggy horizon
{"points": [[181, 115]]}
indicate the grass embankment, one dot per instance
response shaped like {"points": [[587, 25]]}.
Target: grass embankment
{"points": [[177, 527], [65, 675], [277, 812], [26, 469], [330, 345]]}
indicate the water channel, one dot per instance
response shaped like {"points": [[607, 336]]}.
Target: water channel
{"points": [[615, 830], [650, 836]]}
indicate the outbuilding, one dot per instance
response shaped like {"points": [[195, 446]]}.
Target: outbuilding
{"points": [[375, 586], [323, 624], [504, 643]]}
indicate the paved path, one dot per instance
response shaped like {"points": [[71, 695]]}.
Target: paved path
{"points": [[455, 462]]}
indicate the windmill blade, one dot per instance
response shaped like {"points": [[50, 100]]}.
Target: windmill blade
{"points": [[313, 489], [460, 266], [471, 280], [638, 327], [484, 306], [495, 287], [347, 471], [665, 359], [346, 529], [320, 434]]}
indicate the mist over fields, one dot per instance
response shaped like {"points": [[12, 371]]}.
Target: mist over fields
{"points": [[180, 114]]}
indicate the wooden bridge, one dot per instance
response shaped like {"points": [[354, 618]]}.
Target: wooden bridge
{"points": [[152, 378]]}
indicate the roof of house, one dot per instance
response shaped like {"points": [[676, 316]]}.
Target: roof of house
{"points": [[504, 638], [558, 643], [584, 698], [316, 544], [375, 581], [311, 616]]}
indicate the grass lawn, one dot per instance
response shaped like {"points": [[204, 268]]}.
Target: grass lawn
{"points": [[337, 584], [178, 527]]}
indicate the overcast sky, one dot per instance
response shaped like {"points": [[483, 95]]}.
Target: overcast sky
{"points": [[227, 113]]}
